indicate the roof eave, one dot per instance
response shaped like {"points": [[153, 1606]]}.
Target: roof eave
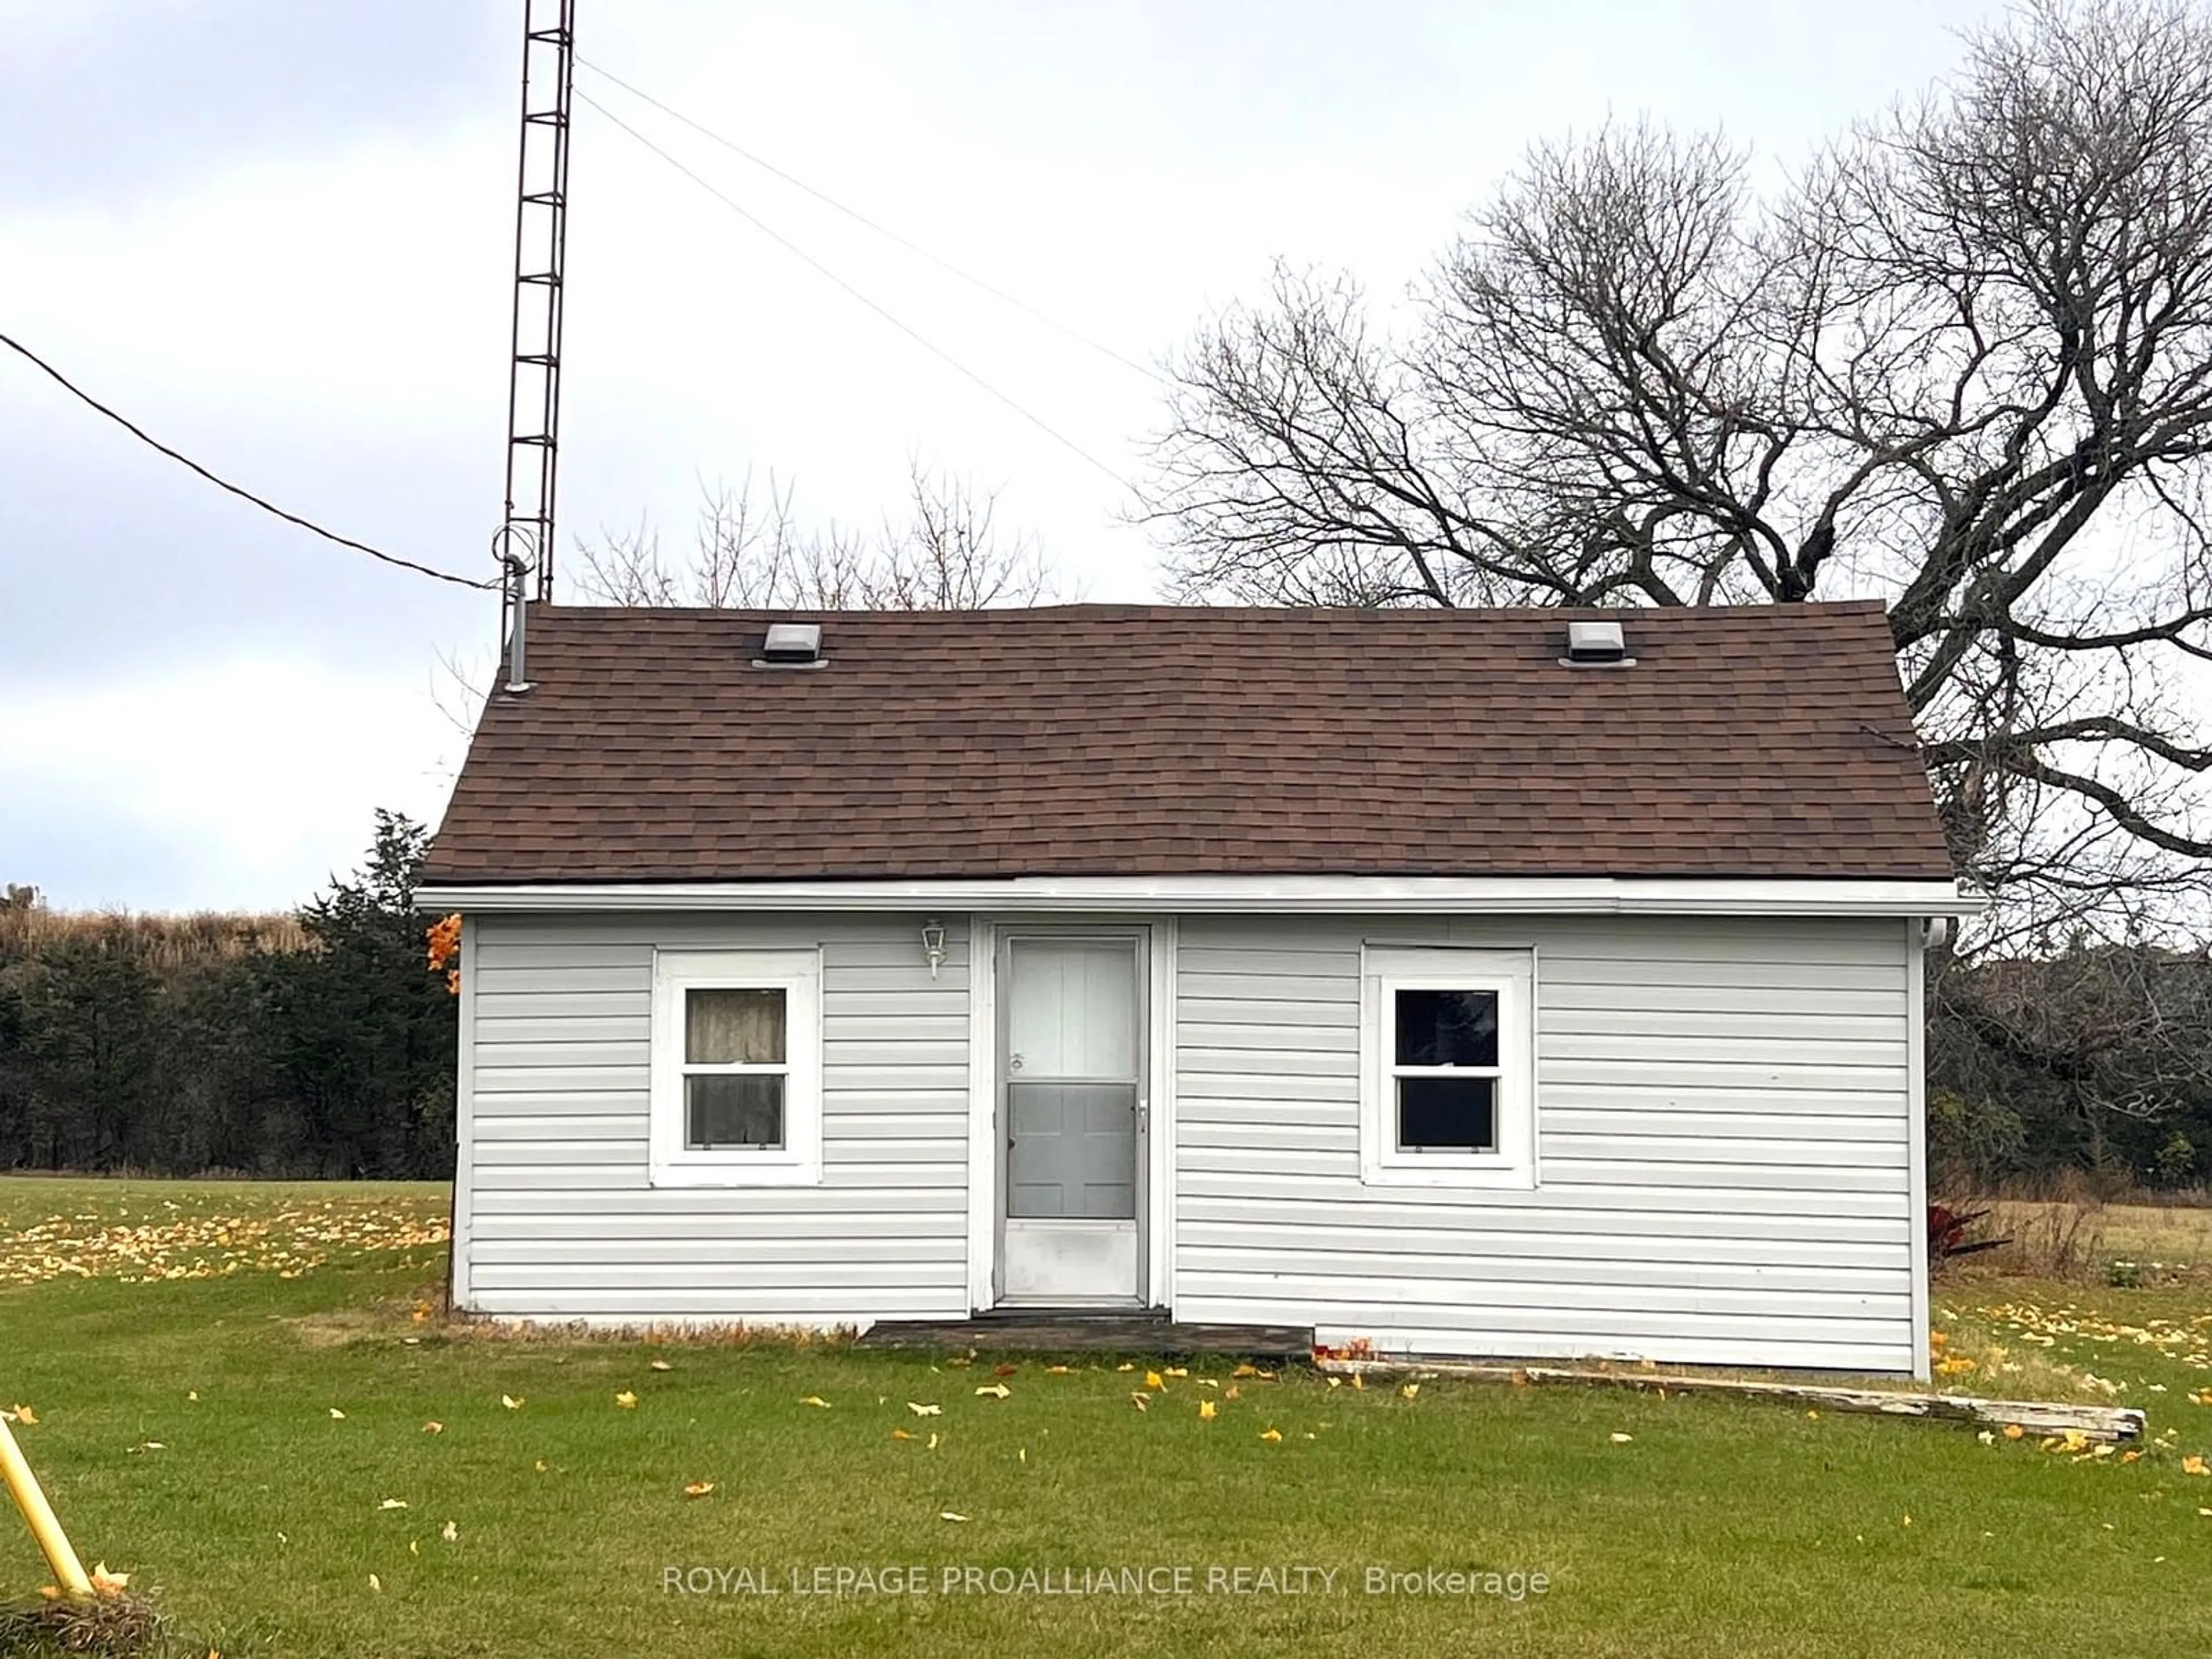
{"points": [[1243, 896]]}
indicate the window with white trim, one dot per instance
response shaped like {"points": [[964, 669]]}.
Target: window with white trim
{"points": [[736, 1068], [1447, 1066]]}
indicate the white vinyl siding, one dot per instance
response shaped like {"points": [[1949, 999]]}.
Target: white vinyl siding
{"points": [[560, 1219], [1724, 1165], [1723, 1144]]}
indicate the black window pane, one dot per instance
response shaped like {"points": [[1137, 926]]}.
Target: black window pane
{"points": [[1447, 1115], [1447, 1027], [733, 1111]]}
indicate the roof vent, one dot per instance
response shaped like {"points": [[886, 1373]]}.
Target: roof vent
{"points": [[791, 645], [1596, 645]]}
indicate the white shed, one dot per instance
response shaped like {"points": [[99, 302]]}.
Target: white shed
{"points": [[1410, 976]]}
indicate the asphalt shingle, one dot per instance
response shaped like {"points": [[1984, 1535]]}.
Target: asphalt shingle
{"points": [[1754, 741]]}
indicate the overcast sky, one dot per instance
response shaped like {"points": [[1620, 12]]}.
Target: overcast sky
{"points": [[278, 233]]}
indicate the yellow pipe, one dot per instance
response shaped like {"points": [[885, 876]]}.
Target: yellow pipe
{"points": [[23, 1487]]}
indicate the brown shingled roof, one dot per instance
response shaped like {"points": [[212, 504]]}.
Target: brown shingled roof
{"points": [[1153, 740]]}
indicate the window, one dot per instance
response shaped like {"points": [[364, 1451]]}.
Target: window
{"points": [[1447, 1085], [736, 1069]]}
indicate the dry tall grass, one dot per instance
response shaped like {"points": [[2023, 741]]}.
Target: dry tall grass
{"points": [[2059, 1240], [2078, 1241], [162, 941]]}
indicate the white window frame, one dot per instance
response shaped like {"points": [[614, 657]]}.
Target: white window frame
{"points": [[798, 1162], [1510, 975]]}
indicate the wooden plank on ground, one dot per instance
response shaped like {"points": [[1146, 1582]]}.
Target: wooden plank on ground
{"points": [[2103, 1423]]}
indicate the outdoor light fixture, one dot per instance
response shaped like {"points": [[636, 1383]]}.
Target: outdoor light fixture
{"points": [[933, 945]]}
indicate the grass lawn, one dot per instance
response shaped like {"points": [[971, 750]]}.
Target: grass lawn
{"points": [[189, 1430]]}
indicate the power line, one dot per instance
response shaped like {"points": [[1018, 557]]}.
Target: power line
{"points": [[243, 494], [861, 218], [917, 338]]}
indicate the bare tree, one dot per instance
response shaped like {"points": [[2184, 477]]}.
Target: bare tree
{"points": [[1963, 362], [749, 553]]}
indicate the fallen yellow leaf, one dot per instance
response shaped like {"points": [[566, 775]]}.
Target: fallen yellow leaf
{"points": [[947, 1515], [932, 1446], [1620, 1440], [1410, 1391], [109, 1583], [26, 1416], [394, 1504], [1272, 1435], [815, 1399], [1813, 1416], [698, 1489], [1232, 1392], [996, 1390], [2013, 1431], [1154, 1380], [1246, 1370], [901, 1434], [1126, 1365], [2129, 1455], [513, 1403], [336, 1416], [1059, 1370], [1206, 1411], [434, 1427], [626, 1399], [2195, 1466], [1141, 1402], [376, 1583], [1178, 1371], [920, 1410], [662, 1365], [450, 1533], [1359, 1380]]}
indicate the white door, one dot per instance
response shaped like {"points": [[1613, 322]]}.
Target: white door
{"points": [[1072, 1115]]}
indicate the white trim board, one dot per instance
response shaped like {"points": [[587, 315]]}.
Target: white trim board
{"points": [[1915, 1111], [1244, 895], [464, 1113], [982, 1116], [1159, 1280]]}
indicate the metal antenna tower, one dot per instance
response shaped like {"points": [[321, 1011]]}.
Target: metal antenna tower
{"points": [[541, 235]]}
